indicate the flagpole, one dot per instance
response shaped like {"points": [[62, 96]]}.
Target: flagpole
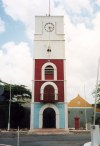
{"points": [[49, 7], [96, 91], [85, 108]]}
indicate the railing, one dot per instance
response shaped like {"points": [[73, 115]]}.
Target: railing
{"points": [[49, 98]]}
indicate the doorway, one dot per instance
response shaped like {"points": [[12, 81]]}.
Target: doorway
{"points": [[49, 93], [49, 118]]}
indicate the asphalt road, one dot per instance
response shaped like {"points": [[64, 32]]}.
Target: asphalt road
{"points": [[46, 140]]}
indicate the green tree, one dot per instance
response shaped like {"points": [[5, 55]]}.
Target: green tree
{"points": [[17, 91], [19, 95], [97, 93]]}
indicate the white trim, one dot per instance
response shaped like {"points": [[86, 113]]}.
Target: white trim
{"points": [[63, 40], [80, 107], [49, 16], [32, 100], [52, 84], [50, 59], [41, 114], [31, 117], [66, 116], [51, 80], [65, 82], [33, 81], [43, 70]]}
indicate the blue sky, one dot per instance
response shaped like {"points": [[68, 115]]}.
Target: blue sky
{"points": [[82, 33], [14, 30]]}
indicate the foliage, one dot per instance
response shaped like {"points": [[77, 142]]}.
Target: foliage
{"points": [[17, 91], [97, 93], [19, 95]]}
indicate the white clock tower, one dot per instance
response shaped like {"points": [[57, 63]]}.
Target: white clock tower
{"points": [[49, 32], [49, 108]]}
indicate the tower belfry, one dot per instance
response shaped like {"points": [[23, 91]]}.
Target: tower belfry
{"points": [[48, 107]]}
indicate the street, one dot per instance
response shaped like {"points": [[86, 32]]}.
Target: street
{"points": [[72, 139]]}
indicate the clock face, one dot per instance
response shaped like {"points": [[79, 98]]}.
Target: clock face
{"points": [[49, 27]]}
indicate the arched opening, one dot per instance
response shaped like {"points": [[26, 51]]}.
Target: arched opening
{"points": [[49, 93], [51, 88], [45, 106], [49, 73], [49, 118]]}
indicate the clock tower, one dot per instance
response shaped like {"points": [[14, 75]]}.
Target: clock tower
{"points": [[48, 106]]}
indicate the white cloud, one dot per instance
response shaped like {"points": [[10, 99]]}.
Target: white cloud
{"points": [[25, 11], [83, 49], [82, 54], [2, 25], [76, 6], [16, 63], [98, 2]]}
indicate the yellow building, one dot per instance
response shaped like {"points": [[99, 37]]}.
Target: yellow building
{"points": [[79, 102], [81, 108]]}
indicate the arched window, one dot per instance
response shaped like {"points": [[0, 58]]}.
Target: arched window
{"points": [[49, 72], [49, 90]]}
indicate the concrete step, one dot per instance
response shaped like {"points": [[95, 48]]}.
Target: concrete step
{"points": [[48, 131]]}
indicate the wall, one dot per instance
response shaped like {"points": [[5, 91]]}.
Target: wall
{"points": [[42, 38], [60, 78], [59, 64], [60, 86], [80, 112], [60, 106]]}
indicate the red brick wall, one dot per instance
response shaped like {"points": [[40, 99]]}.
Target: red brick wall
{"points": [[40, 62], [60, 85], [60, 76]]}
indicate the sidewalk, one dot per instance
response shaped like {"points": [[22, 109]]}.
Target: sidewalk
{"points": [[48, 131], [42, 132], [56, 131]]}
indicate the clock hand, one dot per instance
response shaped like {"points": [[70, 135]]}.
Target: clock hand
{"points": [[50, 28]]}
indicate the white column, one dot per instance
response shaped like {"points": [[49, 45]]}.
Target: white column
{"points": [[32, 100], [65, 97], [66, 116], [40, 120], [31, 117], [57, 121], [65, 82]]}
